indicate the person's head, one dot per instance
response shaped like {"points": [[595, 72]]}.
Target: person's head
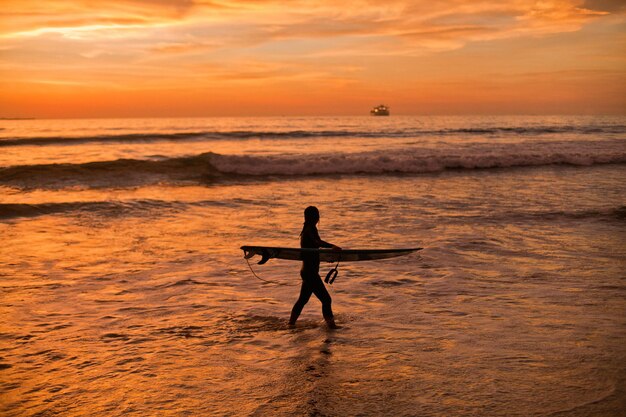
{"points": [[311, 215]]}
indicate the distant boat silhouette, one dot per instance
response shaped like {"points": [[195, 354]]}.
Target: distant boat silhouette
{"points": [[381, 110]]}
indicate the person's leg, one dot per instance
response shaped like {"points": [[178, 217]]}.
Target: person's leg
{"points": [[320, 291], [305, 294]]}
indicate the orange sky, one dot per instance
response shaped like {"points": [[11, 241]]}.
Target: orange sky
{"points": [[135, 58]]}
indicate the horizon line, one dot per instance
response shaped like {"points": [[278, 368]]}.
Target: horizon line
{"points": [[326, 115]]}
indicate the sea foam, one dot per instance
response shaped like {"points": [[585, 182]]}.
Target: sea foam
{"points": [[213, 166]]}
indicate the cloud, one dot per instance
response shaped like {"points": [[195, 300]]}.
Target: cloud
{"points": [[181, 47], [612, 6], [198, 43], [424, 21], [31, 17], [422, 27]]}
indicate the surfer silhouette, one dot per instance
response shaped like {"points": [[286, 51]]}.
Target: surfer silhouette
{"points": [[310, 272]]}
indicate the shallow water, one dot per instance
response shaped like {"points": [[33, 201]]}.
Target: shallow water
{"points": [[135, 299]]}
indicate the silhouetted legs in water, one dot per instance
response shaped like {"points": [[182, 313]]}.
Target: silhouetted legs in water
{"points": [[312, 284]]}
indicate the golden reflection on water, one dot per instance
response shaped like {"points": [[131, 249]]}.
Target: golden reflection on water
{"points": [[145, 306]]}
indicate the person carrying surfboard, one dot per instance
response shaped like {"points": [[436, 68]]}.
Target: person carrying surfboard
{"points": [[310, 272]]}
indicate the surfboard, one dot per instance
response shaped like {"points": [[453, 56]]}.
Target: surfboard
{"points": [[326, 255]]}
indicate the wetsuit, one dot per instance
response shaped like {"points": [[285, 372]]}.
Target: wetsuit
{"points": [[311, 280]]}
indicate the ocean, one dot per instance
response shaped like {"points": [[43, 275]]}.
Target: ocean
{"points": [[124, 291]]}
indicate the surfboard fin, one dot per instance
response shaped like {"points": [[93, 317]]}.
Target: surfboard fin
{"points": [[265, 256]]}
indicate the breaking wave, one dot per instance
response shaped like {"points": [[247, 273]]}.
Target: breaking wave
{"points": [[213, 166], [110, 208], [161, 207], [8, 211], [613, 213], [418, 161], [296, 134]]}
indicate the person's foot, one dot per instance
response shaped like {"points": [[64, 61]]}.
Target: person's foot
{"points": [[331, 324], [291, 325]]}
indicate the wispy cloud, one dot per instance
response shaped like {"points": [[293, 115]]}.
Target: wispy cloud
{"points": [[203, 43]]}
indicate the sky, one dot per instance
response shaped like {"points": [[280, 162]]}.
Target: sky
{"points": [[179, 58]]}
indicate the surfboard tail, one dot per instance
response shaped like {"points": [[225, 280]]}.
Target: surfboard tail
{"points": [[266, 253]]}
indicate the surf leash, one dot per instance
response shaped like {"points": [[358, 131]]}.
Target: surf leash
{"points": [[265, 280], [332, 274]]}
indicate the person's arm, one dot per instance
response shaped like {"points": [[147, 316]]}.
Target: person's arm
{"points": [[324, 244]]}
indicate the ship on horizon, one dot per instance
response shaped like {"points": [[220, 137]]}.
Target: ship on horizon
{"points": [[381, 110]]}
